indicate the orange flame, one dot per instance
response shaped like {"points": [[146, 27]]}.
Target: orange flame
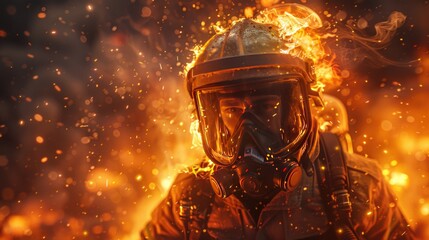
{"points": [[197, 141], [297, 26], [206, 167], [196, 52]]}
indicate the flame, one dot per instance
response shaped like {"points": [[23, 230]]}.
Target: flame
{"points": [[206, 167], [197, 141], [196, 50], [297, 26]]}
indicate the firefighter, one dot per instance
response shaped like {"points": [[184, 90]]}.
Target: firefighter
{"points": [[275, 176]]}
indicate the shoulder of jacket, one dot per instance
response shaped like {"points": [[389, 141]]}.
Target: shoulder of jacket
{"points": [[359, 166], [188, 184]]}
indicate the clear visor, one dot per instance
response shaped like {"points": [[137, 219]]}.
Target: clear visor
{"points": [[271, 114]]}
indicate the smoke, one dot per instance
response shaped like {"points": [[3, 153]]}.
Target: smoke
{"points": [[384, 31], [352, 47]]}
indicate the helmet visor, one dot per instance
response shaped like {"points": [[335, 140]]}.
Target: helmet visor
{"points": [[271, 112]]}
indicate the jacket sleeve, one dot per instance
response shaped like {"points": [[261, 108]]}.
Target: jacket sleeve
{"points": [[375, 206]]}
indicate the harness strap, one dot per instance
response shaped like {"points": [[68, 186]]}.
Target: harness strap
{"points": [[333, 181], [195, 206]]}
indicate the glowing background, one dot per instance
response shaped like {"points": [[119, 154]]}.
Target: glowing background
{"points": [[94, 118]]}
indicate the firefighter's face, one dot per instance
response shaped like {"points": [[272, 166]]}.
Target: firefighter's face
{"points": [[267, 108]]}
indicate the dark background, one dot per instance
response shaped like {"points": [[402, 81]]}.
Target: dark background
{"points": [[94, 115]]}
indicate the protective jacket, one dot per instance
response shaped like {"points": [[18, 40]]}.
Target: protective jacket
{"points": [[300, 214]]}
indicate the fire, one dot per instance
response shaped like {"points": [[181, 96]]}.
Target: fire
{"points": [[207, 167], [197, 141], [297, 26], [196, 52]]}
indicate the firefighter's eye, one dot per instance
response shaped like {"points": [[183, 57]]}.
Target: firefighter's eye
{"points": [[232, 110]]}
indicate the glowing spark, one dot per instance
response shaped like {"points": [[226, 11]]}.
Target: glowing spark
{"points": [[41, 15], [152, 186], [38, 117], [57, 88], [39, 139], [146, 12], [89, 8], [155, 171], [85, 140], [44, 159]]}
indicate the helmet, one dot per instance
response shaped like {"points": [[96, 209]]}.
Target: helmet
{"points": [[252, 102], [245, 63]]}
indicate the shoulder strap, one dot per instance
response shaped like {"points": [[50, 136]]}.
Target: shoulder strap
{"points": [[195, 206], [333, 180]]}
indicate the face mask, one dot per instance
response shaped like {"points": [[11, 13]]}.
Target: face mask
{"points": [[251, 172]]}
